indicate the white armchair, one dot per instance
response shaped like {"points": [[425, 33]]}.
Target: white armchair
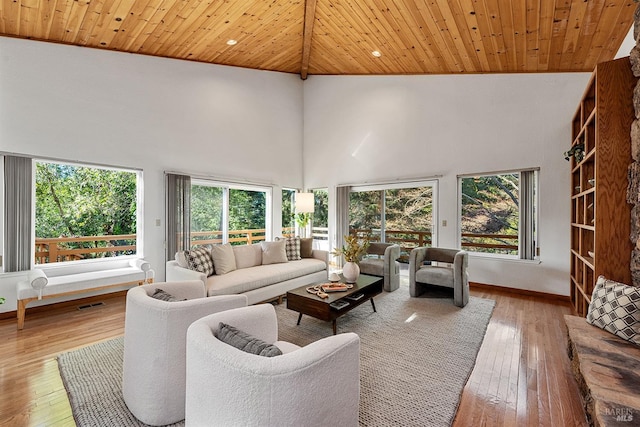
{"points": [[315, 385], [153, 379], [453, 275]]}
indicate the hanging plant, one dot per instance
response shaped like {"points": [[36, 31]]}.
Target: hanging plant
{"points": [[577, 151]]}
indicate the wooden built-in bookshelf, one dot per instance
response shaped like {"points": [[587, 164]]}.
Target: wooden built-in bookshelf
{"points": [[600, 215]]}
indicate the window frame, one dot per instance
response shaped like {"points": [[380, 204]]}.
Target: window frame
{"points": [[230, 185], [139, 214], [433, 183], [526, 236]]}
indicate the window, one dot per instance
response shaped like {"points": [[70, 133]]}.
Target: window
{"points": [[498, 213], [399, 213], [229, 213], [288, 204], [84, 212], [320, 218]]}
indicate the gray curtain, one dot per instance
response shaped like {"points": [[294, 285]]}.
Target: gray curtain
{"points": [[18, 187], [527, 247], [178, 214], [342, 217]]}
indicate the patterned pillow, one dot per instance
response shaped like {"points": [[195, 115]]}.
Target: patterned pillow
{"points": [[163, 296], [291, 247], [245, 342], [615, 307], [200, 260]]}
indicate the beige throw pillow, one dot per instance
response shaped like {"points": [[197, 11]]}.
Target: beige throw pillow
{"points": [[273, 252], [224, 260]]}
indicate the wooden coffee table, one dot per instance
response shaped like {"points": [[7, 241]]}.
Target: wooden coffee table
{"points": [[312, 305]]}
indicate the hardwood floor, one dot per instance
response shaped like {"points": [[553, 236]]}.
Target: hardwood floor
{"points": [[522, 374]]}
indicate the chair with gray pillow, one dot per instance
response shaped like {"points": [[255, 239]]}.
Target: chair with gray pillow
{"points": [[381, 261], [445, 267], [154, 367], [314, 385]]}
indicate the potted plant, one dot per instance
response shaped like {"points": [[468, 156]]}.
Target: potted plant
{"points": [[353, 250], [576, 151]]}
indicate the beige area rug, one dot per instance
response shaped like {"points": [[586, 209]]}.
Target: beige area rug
{"points": [[416, 356]]}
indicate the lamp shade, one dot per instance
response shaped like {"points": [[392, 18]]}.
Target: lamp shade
{"points": [[304, 202]]}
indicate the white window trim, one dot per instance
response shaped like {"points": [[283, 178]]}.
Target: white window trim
{"points": [[230, 185], [506, 257], [106, 260]]}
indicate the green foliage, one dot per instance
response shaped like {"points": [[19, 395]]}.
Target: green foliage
{"points": [[320, 208], [206, 208], [288, 202], [405, 209], [84, 201], [490, 205]]}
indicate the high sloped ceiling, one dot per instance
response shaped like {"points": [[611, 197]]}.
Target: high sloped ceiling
{"points": [[339, 36]]}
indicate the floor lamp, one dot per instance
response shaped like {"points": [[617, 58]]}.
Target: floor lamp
{"points": [[304, 209]]}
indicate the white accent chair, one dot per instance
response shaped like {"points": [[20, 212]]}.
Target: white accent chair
{"points": [[153, 377], [382, 261], [453, 275], [315, 385]]}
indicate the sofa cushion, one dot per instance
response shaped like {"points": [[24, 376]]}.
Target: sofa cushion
{"points": [[291, 247], [306, 247], [248, 279], [615, 307], [248, 255], [372, 266], [440, 276], [245, 342], [199, 259], [224, 261], [274, 252]]}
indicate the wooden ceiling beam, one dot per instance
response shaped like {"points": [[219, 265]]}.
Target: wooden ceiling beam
{"points": [[309, 19]]}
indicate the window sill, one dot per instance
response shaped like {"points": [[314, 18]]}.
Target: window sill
{"points": [[501, 258]]}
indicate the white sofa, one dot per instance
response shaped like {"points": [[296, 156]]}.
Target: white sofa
{"points": [[257, 281], [155, 331], [316, 385]]}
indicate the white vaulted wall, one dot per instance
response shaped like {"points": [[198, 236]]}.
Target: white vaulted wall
{"points": [[364, 129], [160, 114], [150, 113]]}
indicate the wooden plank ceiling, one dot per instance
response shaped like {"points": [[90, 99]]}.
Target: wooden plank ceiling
{"points": [[339, 36]]}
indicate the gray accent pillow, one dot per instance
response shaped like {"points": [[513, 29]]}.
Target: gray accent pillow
{"points": [[306, 247], [163, 296], [615, 307], [224, 259], [273, 252], [245, 342]]}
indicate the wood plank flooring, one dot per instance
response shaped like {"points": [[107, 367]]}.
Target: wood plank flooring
{"points": [[522, 375]]}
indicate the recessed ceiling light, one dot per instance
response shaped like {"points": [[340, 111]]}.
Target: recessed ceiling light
{"points": [[376, 54], [232, 42]]}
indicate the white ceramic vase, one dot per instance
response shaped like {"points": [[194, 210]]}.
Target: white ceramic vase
{"points": [[351, 271]]}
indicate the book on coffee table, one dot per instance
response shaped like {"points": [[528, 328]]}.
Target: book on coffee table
{"points": [[335, 287]]}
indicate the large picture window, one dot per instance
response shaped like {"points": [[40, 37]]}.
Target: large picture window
{"points": [[399, 213], [228, 213], [498, 213], [84, 212]]}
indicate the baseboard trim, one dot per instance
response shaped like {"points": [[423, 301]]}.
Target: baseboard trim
{"points": [[71, 303], [562, 298]]}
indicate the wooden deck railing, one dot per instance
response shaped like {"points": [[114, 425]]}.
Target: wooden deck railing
{"points": [[409, 239], [58, 249]]}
